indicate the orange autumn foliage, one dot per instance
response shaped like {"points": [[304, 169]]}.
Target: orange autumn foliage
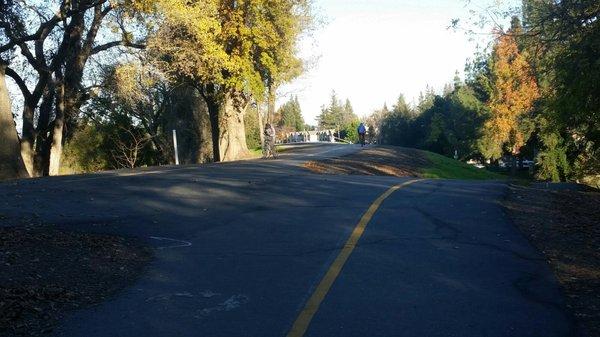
{"points": [[515, 91]]}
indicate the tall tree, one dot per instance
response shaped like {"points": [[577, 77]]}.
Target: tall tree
{"points": [[396, 126], [289, 115], [563, 38], [233, 52], [11, 163], [56, 45], [514, 92], [337, 115]]}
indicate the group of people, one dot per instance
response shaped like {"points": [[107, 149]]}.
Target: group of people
{"points": [[269, 150]]}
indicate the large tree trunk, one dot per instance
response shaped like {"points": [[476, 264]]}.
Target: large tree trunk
{"points": [[233, 134], [69, 88], [214, 110], [261, 126], [204, 152], [56, 147], [27, 138], [43, 140], [188, 115], [57, 132], [11, 162], [513, 164], [272, 97]]}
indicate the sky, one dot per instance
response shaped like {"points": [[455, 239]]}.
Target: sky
{"points": [[370, 51]]}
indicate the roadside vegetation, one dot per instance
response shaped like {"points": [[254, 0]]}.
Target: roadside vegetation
{"points": [[531, 94], [102, 84], [441, 167], [339, 115]]}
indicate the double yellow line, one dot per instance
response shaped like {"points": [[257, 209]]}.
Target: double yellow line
{"points": [[311, 307]]}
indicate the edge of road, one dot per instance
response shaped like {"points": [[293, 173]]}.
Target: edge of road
{"points": [[151, 170]]}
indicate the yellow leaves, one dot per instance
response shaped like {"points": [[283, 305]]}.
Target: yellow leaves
{"points": [[186, 43], [515, 92], [131, 79], [242, 45], [144, 6]]}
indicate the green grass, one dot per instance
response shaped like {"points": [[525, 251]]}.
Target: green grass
{"points": [[442, 167], [256, 152]]}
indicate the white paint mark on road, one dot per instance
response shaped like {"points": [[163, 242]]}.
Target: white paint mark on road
{"points": [[231, 303], [177, 243], [163, 297], [168, 296], [209, 294]]}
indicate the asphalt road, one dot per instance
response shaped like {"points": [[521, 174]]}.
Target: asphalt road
{"points": [[241, 247]]}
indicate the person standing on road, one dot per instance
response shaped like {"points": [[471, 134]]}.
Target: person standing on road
{"points": [[362, 131], [269, 145]]}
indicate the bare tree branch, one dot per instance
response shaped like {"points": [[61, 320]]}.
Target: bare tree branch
{"points": [[112, 44], [99, 15], [20, 82], [45, 27]]}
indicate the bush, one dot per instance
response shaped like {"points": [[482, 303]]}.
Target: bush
{"points": [[86, 151], [350, 133], [552, 161]]}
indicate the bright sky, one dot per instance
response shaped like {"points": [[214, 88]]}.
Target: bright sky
{"points": [[370, 51]]}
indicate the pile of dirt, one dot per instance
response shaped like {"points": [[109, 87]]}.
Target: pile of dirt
{"points": [[45, 271], [380, 160], [565, 227]]}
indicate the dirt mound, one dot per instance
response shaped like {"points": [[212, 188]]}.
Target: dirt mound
{"points": [[380, 160]]}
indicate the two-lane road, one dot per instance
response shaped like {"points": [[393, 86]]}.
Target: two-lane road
{"points": [[241, 248]]}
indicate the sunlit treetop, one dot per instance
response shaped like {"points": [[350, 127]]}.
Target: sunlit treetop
{"points": [[514, 92], [243, 45]]}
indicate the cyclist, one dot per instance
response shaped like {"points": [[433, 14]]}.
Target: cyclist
{"points": [[362, 130], [269, 146]]}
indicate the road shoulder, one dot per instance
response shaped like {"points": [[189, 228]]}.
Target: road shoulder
{"points": [[563, 225]]}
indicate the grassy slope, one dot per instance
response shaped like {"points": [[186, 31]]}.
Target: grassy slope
{"points": [[442, 167]]}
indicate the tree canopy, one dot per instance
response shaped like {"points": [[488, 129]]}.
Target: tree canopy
{"points": [[533, 95], [230, 52]]}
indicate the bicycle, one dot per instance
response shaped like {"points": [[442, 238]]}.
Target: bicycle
{"points": [[269, 150], [361, 139]]}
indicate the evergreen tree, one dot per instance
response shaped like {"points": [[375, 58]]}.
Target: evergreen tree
{"points": [[289, 115], [562, 37], [337, 115]]}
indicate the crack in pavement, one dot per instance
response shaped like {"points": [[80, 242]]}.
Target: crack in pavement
{"points": [[376, 242], [440, 224]]}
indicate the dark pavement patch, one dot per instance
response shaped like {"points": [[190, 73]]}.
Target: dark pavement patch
{"points": [[45, 271], [564, 226]]}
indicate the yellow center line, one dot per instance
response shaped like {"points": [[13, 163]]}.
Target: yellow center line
{"points": [[303, 321]]}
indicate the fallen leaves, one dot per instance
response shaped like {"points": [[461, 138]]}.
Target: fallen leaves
{"points": [[45, 271], [565, 227]]}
